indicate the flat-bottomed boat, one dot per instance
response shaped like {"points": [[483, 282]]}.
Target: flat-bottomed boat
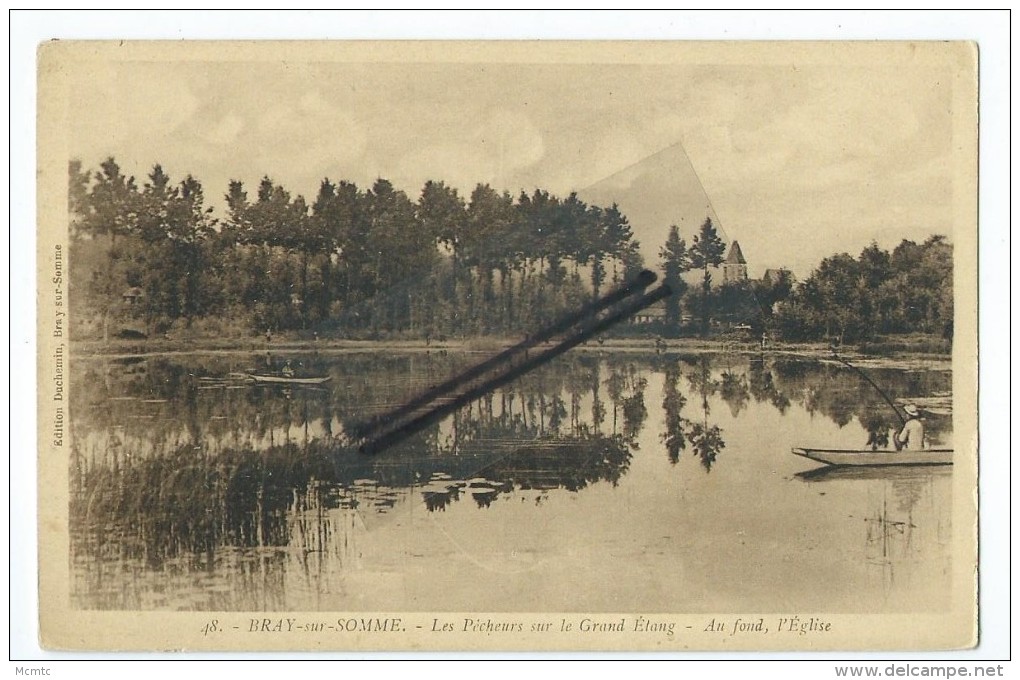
{"points": [[869, 458]]}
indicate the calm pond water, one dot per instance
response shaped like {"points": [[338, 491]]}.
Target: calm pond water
{"points": [[604, 481]]}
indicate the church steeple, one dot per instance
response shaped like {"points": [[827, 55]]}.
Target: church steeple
{"points": [[734, 266], [735, 256]]}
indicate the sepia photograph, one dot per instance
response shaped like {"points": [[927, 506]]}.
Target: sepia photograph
{"points": [[598, 346]]}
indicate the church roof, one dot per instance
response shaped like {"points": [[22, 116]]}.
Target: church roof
{"points": [[656, 309], [735, 256], [776, 274]]}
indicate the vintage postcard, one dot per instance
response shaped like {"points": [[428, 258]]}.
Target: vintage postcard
{"points": [[507, 346]]}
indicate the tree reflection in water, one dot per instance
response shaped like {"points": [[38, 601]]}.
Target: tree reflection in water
{"points": [[734, 391], [634, 412], [762, 386], [829, 389], [172, 462], [706, 440], [261, 469], [878, 426], [674, 436]]}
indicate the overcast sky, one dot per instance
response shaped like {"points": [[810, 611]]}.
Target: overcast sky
{"points": [[799, 152]]}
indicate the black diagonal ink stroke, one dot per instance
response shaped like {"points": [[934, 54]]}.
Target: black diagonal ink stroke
{"points": [[642, 281], [437, 413]]}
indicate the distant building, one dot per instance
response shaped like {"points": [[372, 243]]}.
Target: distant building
{"points": [[733, 270], [734, 267], [651, 314], [774, 276], [132, 295]]}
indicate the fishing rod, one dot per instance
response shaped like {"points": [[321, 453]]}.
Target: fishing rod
{"points": [[870, 382], [587, 312], [440, 411]]}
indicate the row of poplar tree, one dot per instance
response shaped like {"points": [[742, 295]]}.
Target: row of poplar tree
{"points": [[376, 264], [356, 262]]}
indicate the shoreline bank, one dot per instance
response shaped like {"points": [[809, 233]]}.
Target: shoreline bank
{"points": [[212, 346]]}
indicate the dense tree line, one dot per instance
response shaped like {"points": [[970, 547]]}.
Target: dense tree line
{"points": [[846, 299], [376, 263], [354, 262], [849, 299]]}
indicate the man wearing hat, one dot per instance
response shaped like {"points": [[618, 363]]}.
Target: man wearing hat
{"points": [[911, 437]]}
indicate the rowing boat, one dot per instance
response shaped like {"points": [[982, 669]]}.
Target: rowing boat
{"points": [[287, 380], [868, 458]]}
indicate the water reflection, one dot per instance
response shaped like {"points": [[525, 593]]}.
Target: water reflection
{"points": [[762, 386], [704, 438], [907, 510], [673, 401], [191, 489]]}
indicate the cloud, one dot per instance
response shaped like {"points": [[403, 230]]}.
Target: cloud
{"points": [[511, 138], [498, 149], [781, 149], [225, 131], [118, 106], [458, 165], [843, 127], [306, 140]]}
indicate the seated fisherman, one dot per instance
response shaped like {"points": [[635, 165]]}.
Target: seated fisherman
{"points": [[911, 437]]}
